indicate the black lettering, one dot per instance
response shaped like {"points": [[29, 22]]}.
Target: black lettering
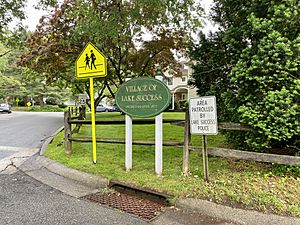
{"points": [[203, 128]]}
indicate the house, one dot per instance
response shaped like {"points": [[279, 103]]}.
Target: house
{"points": [[178, 85]]}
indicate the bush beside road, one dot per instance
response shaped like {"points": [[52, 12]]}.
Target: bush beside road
{"points": [[38, 108]]}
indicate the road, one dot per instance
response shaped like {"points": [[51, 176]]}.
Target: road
{"points": [[28, 129], [24, 200]]}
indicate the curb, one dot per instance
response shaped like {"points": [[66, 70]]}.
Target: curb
{"points": [[240, 216], [91, 180], [49, 140]]}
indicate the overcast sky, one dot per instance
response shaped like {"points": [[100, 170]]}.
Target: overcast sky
{"points": [[33, 15]]}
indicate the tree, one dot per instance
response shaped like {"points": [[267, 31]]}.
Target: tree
{"points": [[9, 84], [23, 83], [117, 29], [14, 10], [10, 10], [213, 63], [261, 43]]}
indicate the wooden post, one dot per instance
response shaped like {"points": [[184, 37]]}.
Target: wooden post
{"points": [[187, 138], [81, 116], [83, 112], [205, 158], [68, 132]]}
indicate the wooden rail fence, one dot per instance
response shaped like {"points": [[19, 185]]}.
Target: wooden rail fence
{"points": [[79, 120]]}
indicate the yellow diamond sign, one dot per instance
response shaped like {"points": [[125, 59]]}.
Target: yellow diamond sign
{"points": [[91, 63]]}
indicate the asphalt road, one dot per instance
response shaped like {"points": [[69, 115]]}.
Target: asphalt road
{"points": [[28, 129], [24, 200]]}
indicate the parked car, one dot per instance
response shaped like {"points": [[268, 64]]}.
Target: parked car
{"points": [[104, 108], [116, 108], [4, 107]]}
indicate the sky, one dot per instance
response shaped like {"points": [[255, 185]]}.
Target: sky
{"points": [[206, 4], [33, 15]]}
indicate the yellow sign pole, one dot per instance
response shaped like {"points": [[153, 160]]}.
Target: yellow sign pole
{"points": [[93, 120], [89, 64]]}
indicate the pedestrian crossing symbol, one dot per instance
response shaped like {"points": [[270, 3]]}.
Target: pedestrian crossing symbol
{"points": [[91, 63]]}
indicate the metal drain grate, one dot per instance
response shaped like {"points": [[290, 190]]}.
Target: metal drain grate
{"points": [[131, 204]]}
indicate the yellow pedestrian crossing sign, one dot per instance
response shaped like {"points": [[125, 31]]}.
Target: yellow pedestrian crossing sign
{"points": [[91, 63]]}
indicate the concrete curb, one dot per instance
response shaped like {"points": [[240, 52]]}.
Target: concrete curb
{"points": [[91, 180], [49, 140], [239, 216], [59, 169]]}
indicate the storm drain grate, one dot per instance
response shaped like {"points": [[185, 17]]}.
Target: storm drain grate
{"points": [[131, 204]]}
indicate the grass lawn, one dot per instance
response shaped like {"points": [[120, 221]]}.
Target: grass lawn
{"points": [[260, 186]]}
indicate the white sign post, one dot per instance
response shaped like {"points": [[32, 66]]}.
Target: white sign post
{"points": [[128, 144], [158, 136], [203, 120], [128, 138]]}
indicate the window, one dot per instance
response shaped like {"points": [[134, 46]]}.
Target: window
{"points": [[183, 79], [168, 81]]}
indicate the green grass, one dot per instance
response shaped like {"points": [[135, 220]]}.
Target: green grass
{"points": [[265, 187], [147, 132]]}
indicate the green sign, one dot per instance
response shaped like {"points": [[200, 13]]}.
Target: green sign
{"points": [[143, 97]]}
